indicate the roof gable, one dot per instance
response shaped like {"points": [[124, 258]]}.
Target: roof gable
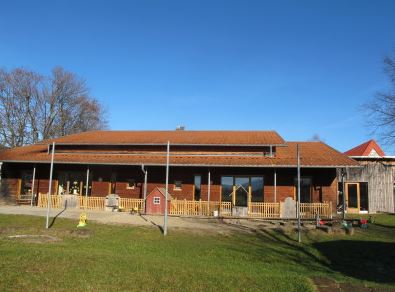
{"points": [[368, 149]]}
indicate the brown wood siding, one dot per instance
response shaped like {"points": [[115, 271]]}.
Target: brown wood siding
{"points": [[324, 186], [100, 188]]}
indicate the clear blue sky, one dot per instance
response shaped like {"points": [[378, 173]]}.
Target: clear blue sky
{"points": [[298, 67]]}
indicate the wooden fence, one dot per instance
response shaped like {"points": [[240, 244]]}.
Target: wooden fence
{"points": [[195, 208], [91, 203], [56, 201], [264, 210], [202, 208], [128, 204], [311, 210]]}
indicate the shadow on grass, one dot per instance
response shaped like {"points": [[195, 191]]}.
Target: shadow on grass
{"points": [[277, 240], [57, 215], [365, 260]]}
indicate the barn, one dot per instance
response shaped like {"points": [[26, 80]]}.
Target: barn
{"points": [[371, 187]]}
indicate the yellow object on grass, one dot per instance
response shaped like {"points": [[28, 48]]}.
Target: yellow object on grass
{"points": [[83, 219]]}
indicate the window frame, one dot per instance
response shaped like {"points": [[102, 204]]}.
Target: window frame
{"points": [[175, 188], [156, 201], [128, 182]]}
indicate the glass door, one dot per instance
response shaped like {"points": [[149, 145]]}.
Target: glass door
{"points": [[242, 184]]}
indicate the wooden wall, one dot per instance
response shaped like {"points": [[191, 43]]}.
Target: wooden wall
{"points": [[380, 178], [105, 179]]}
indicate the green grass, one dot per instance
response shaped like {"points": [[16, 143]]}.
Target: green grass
{"points": [[136, 258]]}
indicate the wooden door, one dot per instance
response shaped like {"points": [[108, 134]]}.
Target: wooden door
{"points": [[353, 197]]}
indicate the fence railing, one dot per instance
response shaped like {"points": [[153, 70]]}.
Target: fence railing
{"points": [[202, 208], [264, 210], [91, 203], [195, 208], [311, 210], [56, 201], [129, 204]]}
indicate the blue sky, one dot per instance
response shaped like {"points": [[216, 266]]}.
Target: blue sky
{"points": [[298, 67]]}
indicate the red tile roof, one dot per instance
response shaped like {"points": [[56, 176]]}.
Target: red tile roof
{"points": [[313, 154], [365, 149], [175, 138]]}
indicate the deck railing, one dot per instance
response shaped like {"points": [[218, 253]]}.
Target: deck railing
{"points": [[311, 210], [92, 203], [264, 210], [202, 208], [129, 204], [56, 201], [195, 208]]}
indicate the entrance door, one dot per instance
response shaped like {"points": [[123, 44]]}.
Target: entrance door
{"points": [[242, 185], [352, 197]]}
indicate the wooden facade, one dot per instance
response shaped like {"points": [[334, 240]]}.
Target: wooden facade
{"points": [[379, 175], [370, 188], [248, 170]]}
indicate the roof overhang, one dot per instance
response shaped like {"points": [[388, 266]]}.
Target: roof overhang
{"points": [[188, 165]]}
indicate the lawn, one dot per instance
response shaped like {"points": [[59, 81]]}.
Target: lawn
{"points": [[112, 257]]}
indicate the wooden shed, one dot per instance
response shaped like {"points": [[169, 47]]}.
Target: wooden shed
{"points": [[155, 203]]}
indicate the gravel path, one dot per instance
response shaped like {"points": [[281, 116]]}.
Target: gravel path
{"points": [[212, 224]]}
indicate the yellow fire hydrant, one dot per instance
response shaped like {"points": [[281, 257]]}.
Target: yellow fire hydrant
{"points": [[83, 219]]}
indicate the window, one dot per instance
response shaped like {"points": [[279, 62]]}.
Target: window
{"points": [[131, 184], [156, 200], [227, 188], [257, 189], [198, 185], [177, 185], [242, 184], [305, 189]]}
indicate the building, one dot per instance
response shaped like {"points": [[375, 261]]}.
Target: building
{"points": [[241, 167], [370, 188]]}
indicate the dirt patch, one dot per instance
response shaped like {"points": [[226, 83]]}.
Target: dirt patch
{"points": [[328, 285], [34, 238], [82, 233]]}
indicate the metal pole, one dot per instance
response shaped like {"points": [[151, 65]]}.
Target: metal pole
{"points": [[275, 185], [50, 185], [145, 187], [343, 173], [34, 178], [1, 189], [298, 202], [167, 187], [208, 191], [86, 187], [1, 164]]}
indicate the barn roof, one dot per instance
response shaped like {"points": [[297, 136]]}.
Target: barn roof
{"points": [[369, 148], [175, 137], [313, 154]]}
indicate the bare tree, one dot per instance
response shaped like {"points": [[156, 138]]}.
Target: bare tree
{"points": [[34, 107], [381, 110]]}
